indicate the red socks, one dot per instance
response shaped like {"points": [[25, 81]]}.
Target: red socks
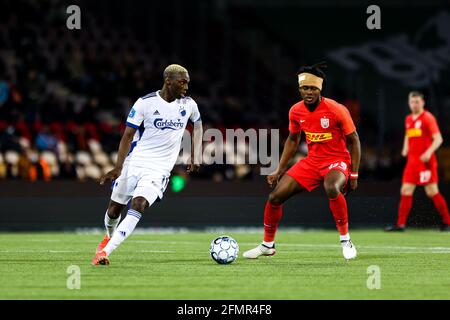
{"points": [[406, 204], [403, 210], [273, 213], [338, 208], [272, 216], [441, 206]]}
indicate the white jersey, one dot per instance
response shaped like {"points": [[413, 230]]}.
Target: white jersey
{"points": [[160, 125]]}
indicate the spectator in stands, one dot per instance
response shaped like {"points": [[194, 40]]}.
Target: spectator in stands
{"points": [[9, 140], [39, 170], [4, 92], [46, 141], [24, 165], [67, 169]]}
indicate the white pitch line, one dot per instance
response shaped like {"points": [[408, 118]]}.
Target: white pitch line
{"points": [[300, 245], [75, 251], [206, 252], [374, 251], [311, 245], [39, 251], [358, 246], [43, 240], [165, 242]]}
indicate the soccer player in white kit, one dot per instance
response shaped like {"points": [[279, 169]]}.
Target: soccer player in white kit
{"points": [[147, 154]]}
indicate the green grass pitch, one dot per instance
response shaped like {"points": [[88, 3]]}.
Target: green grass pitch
{"points": [[308, 265]]}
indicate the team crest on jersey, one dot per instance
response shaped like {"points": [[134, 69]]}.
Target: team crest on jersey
{"points": [[132, 113], [418, 124], [325, 122], [182, 111]]}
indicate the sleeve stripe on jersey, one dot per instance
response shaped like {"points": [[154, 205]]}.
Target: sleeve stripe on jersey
{"points": [[132, 125], [199, 119]]}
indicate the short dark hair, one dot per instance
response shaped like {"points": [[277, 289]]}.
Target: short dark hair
{"points": [[315, 69], [413, 94]]}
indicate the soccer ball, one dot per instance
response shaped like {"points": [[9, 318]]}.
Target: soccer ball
{"points": [[224, 250]]}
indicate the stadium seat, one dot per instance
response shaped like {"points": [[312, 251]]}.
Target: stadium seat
{"points": [[52, 161], [101, 158], [12, 160], [49, 156], [107, 168], [242, 170], [62, 147], [81, 173], [94, 146], [24, 142], [3, 169], [12, 157], [113, 157], [93, 172], [83, 158]]}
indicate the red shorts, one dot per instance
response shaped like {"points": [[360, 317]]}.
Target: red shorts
{"points": [[311, 174], [420, 173]]}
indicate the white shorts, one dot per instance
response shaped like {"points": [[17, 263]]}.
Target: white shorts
{"points": [[138, 182]]}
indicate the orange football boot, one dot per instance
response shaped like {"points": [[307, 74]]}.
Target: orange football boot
{"points": [[100, 258], [102, 244]]}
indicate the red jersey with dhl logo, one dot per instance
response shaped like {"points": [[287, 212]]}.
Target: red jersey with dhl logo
{"points": [[325, 128], [420, 133]]}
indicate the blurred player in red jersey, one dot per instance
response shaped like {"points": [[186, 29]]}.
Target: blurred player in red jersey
{"points": [[328, 127], [422, 139]]}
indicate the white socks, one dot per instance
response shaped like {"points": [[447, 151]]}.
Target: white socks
{"points": [[268, 244], [124, 229], [111, 224], [345, 237]]}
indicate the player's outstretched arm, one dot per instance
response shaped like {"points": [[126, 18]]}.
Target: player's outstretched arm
{"points": [[290, 147], [197, 141], [124, 149], [355, 153]]}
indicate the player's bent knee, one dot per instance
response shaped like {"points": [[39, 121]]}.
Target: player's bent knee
{"points": [[407, 191], [115, 209], [332, 190], [139, 204], [114, 214], [431, 192], [275, 199]]}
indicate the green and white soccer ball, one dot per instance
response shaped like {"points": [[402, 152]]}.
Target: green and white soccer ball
{"points": [[224, 250]]}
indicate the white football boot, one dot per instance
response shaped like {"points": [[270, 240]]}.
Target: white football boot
{"points": [[348, 249], [260, 250]]}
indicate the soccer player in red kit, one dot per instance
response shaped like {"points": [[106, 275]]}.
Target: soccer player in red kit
{"points": [[328, 127], [422, 139]]}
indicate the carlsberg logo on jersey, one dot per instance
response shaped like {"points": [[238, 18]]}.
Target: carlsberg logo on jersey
{"points": [[168, 124]]}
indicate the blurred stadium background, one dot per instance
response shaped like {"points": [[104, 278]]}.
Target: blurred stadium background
{"points": [[64, 95]]}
